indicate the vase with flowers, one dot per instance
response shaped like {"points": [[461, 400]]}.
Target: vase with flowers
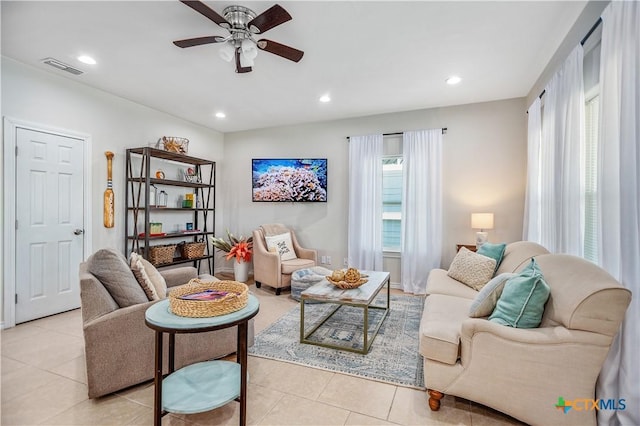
{"points": [[238, 248]]}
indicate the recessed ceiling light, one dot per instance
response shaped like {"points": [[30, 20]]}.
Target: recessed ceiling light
{"points": [[454, 79], [325, 98], [87, 60], [220, 114]]}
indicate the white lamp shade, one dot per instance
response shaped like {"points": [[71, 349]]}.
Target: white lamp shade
{"points": [[249, 49], [227, 52], [245, 62], [482, 220]]}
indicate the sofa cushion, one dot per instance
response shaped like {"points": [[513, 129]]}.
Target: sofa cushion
{"points": [[439, 282], [521, 304], [113, 271], [485, 302], [151, 281], [494, 251], [281, 244], [518, 254], [472, 269], [440, 325]]}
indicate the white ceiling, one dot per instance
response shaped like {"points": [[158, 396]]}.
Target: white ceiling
{"points": [[372, 57]]}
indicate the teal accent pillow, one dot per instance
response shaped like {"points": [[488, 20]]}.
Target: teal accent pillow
{"points": [[521, 304], [494, 251], [486, 300]]}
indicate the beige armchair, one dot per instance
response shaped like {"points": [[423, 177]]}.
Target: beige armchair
{"points": [[119, 347], [268, 267]]}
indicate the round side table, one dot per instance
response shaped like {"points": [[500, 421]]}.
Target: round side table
{"points": [[202, 386]]}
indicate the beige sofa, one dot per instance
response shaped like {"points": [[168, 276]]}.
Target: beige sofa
{"points": [[523, 372], [119, 347]]}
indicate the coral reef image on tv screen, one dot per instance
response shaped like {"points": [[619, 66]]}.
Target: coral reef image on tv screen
{"points": [[289, 179]]}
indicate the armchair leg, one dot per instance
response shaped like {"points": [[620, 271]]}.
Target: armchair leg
{"points": [[434, 399], [258, 284]]}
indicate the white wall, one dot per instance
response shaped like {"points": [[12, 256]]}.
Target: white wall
{"points": [[113, 123], [484, 170]]}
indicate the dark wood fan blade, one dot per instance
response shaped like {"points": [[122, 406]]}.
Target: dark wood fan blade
{"points": [[268, 19], [280, 49], [189, 42], [239, 67], [206, 11]]}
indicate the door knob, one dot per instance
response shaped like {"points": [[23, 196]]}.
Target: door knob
{"points": [[78, 231]]}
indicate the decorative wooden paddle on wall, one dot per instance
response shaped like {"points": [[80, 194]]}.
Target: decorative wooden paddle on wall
{"points": [[108, 195]]}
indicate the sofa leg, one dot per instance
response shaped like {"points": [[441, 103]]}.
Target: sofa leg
{"points": [[278, 291], [258, 284], [434, 399]]}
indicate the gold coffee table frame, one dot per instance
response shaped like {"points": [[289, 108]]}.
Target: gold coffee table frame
{"points": [[361, 297]]}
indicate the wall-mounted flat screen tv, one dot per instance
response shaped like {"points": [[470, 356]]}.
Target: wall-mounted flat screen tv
{"points": [[289, 179]]}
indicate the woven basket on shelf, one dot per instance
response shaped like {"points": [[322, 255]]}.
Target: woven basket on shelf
{"points": [[162, 254], [192, 250], [236, 298]]}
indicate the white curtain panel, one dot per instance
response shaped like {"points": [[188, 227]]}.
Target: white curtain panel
{"points": [[619, 199], [421, 225], [561, 159], [365, 202], [531, 226]]}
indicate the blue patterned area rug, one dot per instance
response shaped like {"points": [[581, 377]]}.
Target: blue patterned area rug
{"points": [[393, 358]]}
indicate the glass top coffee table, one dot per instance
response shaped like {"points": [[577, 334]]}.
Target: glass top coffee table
{"points": [[362, 297]]}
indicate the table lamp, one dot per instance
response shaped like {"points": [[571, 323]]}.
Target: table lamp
{"points": [[481, 221]]}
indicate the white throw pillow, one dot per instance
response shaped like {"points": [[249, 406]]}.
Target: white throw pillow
{"points": [[486, 300], [151, 281], [472, 269], [281, 244]]}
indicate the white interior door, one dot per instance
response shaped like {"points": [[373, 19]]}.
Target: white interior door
{"points": [[49, 227]]}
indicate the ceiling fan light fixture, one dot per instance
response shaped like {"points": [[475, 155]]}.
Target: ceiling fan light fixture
{"points": [[249, 49], [227, 52], [245, 62]]}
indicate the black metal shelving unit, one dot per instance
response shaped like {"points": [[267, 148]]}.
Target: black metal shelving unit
{"points": [[137, 193]]}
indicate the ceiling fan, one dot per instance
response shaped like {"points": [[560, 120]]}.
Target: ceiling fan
{"points": [[243, 25]]}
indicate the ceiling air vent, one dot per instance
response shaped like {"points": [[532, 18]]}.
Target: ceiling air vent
{"points": [[61, 66]]}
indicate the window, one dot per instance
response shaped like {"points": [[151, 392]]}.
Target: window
{"points": [[592, 109], [391, 202]]}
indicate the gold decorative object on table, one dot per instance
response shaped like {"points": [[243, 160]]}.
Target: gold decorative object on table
{"points": [[345, 280], [201, 299]]}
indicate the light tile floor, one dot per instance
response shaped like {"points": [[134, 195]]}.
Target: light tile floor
{"points": [[44, 383]]}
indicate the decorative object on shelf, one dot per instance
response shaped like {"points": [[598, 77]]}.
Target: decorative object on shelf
{"points": [[155, 228], [173, 144], [162, 254], [345, 280], [159, 174], [481, 221], [200, 299], [191, 250], [162, 199], [189, 226], [153, 191], [287, 179], [190, 175], [187, 203], [109, 207]]}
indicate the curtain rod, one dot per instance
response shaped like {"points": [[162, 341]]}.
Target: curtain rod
{"points": [[583, 41], [444, 132]]}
